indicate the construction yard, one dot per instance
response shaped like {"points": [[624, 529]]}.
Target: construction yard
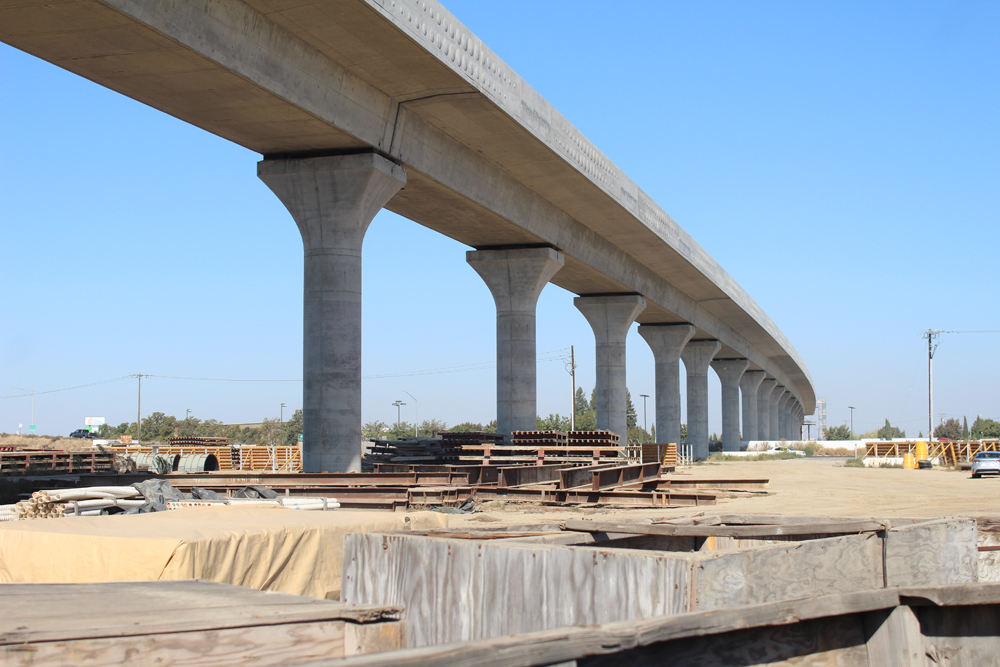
{"points": [[811, 486], [527, 554]]}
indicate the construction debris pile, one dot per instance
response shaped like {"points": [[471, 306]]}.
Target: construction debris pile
{"points": [[155, 495]]}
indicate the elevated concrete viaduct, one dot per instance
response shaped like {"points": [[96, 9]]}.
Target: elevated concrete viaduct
{"points": [[403, 107]]}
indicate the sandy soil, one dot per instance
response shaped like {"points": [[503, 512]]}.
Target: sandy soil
{"points": [[815, 486], [44, 442]]}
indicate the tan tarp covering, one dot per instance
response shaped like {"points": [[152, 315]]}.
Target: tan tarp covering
{"points": [[266, 548]]}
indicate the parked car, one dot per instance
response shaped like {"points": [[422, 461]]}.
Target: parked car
{"points": [[82, 433], [985, 463]]}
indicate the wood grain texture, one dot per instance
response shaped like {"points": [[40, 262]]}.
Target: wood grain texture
{"points": [[935, 552], [561, 645], [835, 642], [459, 590], [780, 572], [893, 638], [263, 646], [961, 636]]}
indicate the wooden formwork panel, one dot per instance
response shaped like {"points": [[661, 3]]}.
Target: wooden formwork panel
{"points": [[468, 589]]}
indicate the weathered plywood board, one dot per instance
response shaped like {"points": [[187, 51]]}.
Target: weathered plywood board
{"points": [[835, 642], [167, 623], [967, 636], [461, 590], [931, 553], [787, 572]]}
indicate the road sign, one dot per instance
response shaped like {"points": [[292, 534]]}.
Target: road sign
{"points": [[93, 421], [32, 427], [300, 438]]}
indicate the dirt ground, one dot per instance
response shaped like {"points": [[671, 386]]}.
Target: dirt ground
{"points": [[813, 486], [44, 442]]}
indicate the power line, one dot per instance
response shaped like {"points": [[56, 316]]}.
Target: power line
{"points": [[81, 386], [551, 355]]}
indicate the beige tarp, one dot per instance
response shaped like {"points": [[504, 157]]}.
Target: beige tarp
{"points": [[266, 548]]}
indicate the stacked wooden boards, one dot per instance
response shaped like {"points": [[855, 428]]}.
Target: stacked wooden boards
{"points": [[183, 622], [468, 589]]}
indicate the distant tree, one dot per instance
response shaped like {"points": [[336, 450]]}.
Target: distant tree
{"points": [[291, 429], [582, 404], [630, 416], [491, 427], [431, 428], [888, 432], [400, 431], [554, 422], [965, 428], [374, 430], [652, 432], [714, 437], [985, 428], [684, 432], [841, 432], [466, 427], [950, 429]]}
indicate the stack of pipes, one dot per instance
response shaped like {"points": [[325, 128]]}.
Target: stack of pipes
{"points": [[74, 502], [292, 502]]}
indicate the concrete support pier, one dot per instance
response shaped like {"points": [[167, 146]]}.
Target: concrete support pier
{"points": [[697, 355], [516, 277], [764, 408], [783, 402], [332, 200], [748, 390], [730, 371], [666, 341], [610, 317], [774, 432]]}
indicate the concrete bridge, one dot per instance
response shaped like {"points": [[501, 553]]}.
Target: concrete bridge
{"points": [[358, 105]]}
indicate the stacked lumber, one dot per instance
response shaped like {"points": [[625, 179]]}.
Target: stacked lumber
{"points": [[593, 439], [262, 457], [192, 440], [663, 453], [26, 462], [539, 438]]}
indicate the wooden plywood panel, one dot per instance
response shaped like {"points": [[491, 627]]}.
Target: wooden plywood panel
{"points": [[798, 570], [935, 552], [459, 590], [965, 636], [834, 642]]}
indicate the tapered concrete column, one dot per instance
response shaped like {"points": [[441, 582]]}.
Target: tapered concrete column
{"points": [[764, 408], [783, 402], [666, 341], [776, 395], [610, 317], [697, 355], [730, 371], [748, 390], [332, 200], [516, 277]]}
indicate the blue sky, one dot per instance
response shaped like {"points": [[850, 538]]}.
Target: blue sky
{"points": [[838, 159]]}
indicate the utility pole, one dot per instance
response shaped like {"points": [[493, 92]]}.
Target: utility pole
{"points": [[138, 417], [644, 397], [851, 408], [571, 369], [399, 404], [281, 414], [416, 411], [931, 335]]}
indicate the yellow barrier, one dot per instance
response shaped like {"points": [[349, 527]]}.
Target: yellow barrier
{"points": [[909, 462]]}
